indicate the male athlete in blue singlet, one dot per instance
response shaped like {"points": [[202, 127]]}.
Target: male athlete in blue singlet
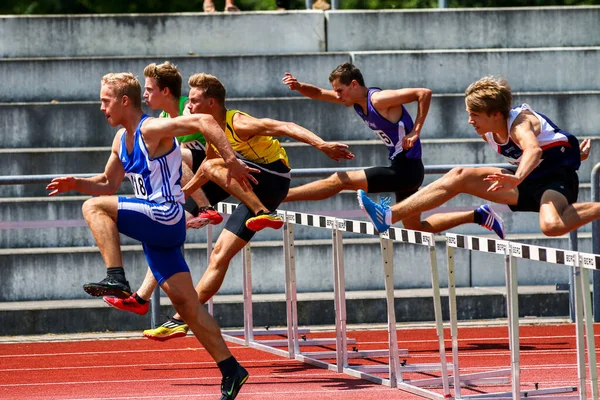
{"points": [[545, 178], [384, 112], [146, 152]]}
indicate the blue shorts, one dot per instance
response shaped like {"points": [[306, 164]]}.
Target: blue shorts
{"points": [[160, 228]]}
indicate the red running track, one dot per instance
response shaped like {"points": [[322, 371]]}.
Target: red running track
{"points": [[181, 369]]}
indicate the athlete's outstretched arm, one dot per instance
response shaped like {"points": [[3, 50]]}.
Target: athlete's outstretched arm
{"points": [[246, 126], [391, 98], [103, 184], [308, 90], [158, 128]]}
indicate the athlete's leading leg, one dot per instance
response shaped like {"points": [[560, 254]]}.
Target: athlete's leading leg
{"points": [[458, 180], [328, 187]]}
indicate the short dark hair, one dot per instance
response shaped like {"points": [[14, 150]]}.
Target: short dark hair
{"points": [[165, 75], [346, 73]]}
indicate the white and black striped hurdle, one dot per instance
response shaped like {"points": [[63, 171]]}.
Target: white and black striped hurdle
{"points": [[579, 263], [341, 354]]}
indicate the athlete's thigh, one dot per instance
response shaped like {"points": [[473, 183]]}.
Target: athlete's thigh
{"points": [[271, 189], [471, 181], [357, 179], [164, 262], [236, 224], [107, 204]]}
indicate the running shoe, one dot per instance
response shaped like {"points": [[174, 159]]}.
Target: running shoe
{"points": [[490, 220], [129, 304], [108, 286], [231, 385], [169, 330], [264, 220], [375, 212], [206, 215]]}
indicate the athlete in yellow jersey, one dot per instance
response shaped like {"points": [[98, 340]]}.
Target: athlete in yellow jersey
{"points": [[253, 140]]}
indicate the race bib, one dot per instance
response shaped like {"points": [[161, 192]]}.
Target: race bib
{"points": [[139, 189]]}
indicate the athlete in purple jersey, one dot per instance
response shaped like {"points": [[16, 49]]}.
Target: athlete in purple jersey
{"points": [[383, 111], [546, 158]]}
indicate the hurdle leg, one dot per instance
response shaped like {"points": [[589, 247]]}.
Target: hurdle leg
{"points": [[290, 290], [339, 301], [579, 329], [209, 245], [453, 320], [247, 293], [437, 308], [589, 330], [512, 309], [387, 251]]}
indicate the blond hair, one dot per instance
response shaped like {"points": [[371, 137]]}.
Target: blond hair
{"points": [[165, 75], [489, 94], [211, 85], [124, 84]]}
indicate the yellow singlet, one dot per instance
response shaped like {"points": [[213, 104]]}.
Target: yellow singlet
{"points": [[258, 149]]}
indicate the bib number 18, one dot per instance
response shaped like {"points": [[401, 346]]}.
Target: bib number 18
{"points": [[137, 181]]}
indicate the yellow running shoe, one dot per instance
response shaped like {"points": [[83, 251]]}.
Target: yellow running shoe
{"points": [[264, 220], [169, 330]]}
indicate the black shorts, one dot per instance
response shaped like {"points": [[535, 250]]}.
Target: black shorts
{"points": [[403, 177], [272, 188], [213, 192], [563, 180]]}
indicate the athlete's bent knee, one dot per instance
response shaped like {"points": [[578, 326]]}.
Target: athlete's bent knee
{"points": [[553, 228]]}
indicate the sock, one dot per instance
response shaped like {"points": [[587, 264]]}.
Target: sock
{"points": [[228, 366], [139, 299], [477, 217], [177, 321], [388, 217], [118, 273]]}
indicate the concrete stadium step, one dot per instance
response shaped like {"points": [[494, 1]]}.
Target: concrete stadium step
{"points": [[467, 28], [58, 222], [243, 76], [451, 71], [447, 71], [269, 310], [306, 31], [79, 124], [59, 273], [368, 153], [164, 34]]}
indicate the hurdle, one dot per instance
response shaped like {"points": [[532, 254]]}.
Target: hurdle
{"points": [[341, 355], [247, 336], [579, 263]]}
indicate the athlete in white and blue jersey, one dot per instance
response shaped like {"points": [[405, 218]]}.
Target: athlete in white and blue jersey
{"points": [[146, 151], [545, 178], [384, 112]]}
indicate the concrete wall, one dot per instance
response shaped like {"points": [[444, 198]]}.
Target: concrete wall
{"points": [[570, 69], [243, 76], [451, 71], [163, 34], [471, 28]]}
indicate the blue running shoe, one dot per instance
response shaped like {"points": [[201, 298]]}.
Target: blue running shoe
{"points": [[376, 212], [490, 220]]}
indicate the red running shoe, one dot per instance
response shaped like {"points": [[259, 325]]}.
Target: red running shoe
{"points": [[206, 215], [129, 304]]}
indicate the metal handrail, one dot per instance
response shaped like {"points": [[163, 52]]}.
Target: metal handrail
{"points": [[296, 173]]}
